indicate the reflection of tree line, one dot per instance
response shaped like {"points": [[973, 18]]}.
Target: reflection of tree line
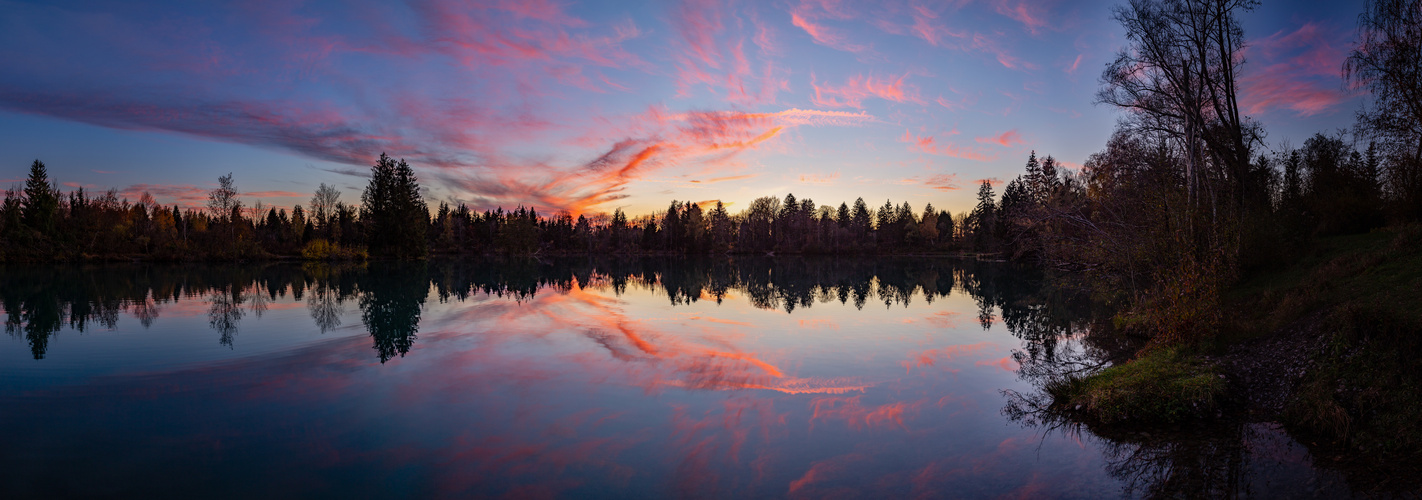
{"points": [[38, 302]]}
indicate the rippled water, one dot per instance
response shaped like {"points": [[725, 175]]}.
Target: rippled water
{"points": [[649, 378]]}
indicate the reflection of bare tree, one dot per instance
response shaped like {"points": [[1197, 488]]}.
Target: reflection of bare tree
{"points": [[225, 312], [326, 306], [146, 311], [1201, 464], [257, 301]]}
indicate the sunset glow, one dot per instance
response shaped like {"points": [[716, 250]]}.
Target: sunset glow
{"points": [[592, 106]]}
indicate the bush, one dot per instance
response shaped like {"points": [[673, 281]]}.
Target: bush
{"points": [[320, 249]]}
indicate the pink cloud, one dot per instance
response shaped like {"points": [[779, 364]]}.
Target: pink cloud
{"points": [[926, 144], [1004, 57], [1300, 71], [713, 55], [1006, 139], [943, 182], [708, 138], [276, 194], [728, 178], [819, 178], [1031, 13], [805, 14], [1071, 68], [186, 196], [859, 87]]}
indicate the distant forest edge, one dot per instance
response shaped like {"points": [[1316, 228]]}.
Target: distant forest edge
{"points": [[392, 220], [1046, 215]]}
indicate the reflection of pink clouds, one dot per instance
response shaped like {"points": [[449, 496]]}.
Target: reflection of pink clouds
{"points": [[520, 388], [932, 357], [818, 323], [943, 319], [858, 416], [1005, 363], [719, 320], [819, 471]]}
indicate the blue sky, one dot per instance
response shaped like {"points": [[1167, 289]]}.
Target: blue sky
{"points": [[591, 106]]}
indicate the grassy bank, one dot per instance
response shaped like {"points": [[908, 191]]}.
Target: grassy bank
{"points": [[1165, 386], [1355, 305]]}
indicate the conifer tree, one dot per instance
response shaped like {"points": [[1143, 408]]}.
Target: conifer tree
{"points": [[394, 210], [41, 199]]}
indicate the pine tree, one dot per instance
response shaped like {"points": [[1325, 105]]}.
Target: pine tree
{"points": [[394, 210], [41, 200], [984, 218]]}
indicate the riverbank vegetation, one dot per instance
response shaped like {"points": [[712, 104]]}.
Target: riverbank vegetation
{"points": [[1209, 242]]}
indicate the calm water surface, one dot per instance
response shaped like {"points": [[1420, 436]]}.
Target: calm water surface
{"points": [[651, 378]]}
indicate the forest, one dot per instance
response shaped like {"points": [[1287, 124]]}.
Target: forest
{"points": [[392, 221]]}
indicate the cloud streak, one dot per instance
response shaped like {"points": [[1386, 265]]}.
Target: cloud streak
{"points": [[1299, 72], [926, 144], [859, 87]]}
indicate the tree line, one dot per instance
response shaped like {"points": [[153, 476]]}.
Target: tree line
{"points": [[39, 222]]}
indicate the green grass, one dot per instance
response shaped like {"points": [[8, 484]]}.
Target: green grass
{"points": [[1164, 386]]}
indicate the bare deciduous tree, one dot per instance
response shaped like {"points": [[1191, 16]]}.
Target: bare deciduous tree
{"points": [[1387, 60], [323, 205], [1179, 76]]}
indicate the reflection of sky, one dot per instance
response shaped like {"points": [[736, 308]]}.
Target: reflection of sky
{"points": [[577, 393], [506, 102], [572, 392]]}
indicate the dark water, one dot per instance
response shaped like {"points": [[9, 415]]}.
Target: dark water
{"points": [[650, 379]]}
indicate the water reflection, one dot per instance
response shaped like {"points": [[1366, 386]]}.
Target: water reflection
{"points": [[631, 378], [39, 302]]}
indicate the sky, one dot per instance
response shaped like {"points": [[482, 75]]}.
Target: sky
{"points": [[594, 106]]}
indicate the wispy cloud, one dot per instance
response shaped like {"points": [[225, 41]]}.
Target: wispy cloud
{"points": [[806, 16], [859, 87], [706, 138], [1031, 13], [1006, 139], [926, 144], [1299, 71]]}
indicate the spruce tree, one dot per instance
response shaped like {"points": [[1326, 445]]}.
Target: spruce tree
{"points": [[985, 218], [394, 210], [41, 199]]}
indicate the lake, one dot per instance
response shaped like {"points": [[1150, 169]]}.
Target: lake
{"points": [[578, 378]]}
